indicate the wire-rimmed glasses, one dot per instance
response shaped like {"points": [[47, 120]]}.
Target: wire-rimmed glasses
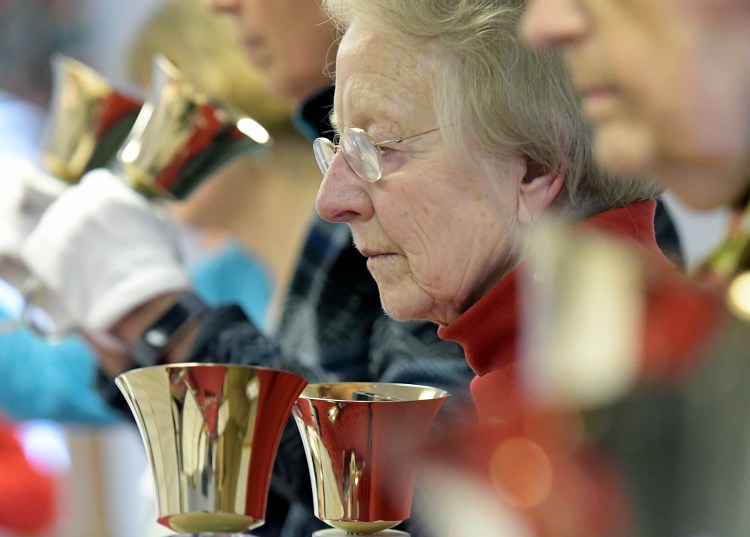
{"points": [[360, 151]]}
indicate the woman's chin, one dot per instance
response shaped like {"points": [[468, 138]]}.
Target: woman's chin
{"points": [[624, 148], [402, 309], [401, 314]]}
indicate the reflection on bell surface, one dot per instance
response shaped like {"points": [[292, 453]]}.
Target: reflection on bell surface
{"points": [[359, 440], [181, 137], [211, 432], [88, 120]]}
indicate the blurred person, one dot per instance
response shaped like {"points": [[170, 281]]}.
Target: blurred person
{"points": [[667, 102], [331, 325], [665, 84], [29, 33]]}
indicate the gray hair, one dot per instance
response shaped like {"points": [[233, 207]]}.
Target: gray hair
{"points": [[502, 97]]}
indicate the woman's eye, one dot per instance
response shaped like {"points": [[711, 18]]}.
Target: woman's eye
{"points": [[391, 158], [384, 149]]}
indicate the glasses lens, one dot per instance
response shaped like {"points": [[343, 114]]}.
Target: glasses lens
{"points": [[361, 154], [324, 152]]}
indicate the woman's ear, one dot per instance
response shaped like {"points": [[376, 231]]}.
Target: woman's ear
{"points": [[538, 189]]}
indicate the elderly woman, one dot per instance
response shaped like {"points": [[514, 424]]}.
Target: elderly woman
{"points": [[454, 139]]}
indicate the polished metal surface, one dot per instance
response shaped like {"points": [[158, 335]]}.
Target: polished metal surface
{"points": [[87, 123], [334, 532], [211, 432], [181, 137], [209, 534], [360, 440]]}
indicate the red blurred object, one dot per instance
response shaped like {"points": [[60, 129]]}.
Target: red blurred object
{"points": [[537, 467], [28, 497]]}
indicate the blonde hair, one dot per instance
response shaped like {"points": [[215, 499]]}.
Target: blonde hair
{"points": [[205, 47], [499, 96]]}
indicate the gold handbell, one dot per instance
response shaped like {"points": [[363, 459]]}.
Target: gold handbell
{"points": [[728, 265], [211, 432], [181, 137], [360, 440], [88, 120]]}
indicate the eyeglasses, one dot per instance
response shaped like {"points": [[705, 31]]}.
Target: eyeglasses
{"points": [[360, 151]]}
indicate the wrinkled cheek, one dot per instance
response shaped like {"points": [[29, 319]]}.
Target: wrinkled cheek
{"points": [[404, 294], [406, 301]]}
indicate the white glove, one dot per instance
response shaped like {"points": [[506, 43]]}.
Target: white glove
{"points": [[103, 250], [27, 192]]}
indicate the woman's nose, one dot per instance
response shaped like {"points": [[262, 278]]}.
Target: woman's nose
{"points": [[553, 22], [343, 196]]}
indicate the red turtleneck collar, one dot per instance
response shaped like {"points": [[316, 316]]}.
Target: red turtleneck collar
{"points": [[489, 330]]}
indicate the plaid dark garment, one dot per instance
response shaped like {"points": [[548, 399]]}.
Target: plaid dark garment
{"points": [[332, 328]]}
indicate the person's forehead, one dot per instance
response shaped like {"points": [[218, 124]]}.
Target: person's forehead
{"points": [[375, 75]]}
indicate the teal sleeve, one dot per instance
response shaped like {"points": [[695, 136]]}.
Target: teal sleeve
{"points": [[234, 277], [49, 380]]}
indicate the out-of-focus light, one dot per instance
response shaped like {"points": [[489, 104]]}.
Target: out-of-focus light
{"points": [[738, 296], [251, 128], [45, 446], [11, 299], [521, 472], [131, 151]]}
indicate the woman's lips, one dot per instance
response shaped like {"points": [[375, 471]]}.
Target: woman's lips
{"points": [[598, 101], [377, 260], [374, 257]]}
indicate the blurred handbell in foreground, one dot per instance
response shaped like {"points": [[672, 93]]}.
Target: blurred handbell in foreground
{"points": [[211, 433], [602, 316], [88, 119], [360, 439]]}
